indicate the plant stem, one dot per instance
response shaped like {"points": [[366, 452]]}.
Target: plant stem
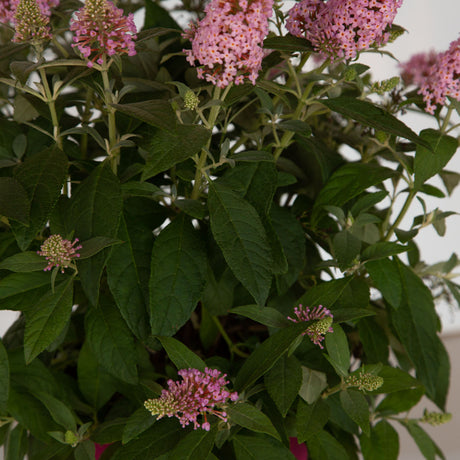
{"points": [[231, 346], [401, 214]]}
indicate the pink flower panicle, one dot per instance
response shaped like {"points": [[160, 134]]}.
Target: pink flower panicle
{"points": [[323, 321], [417, 68], [31, 22], [59, 252], [227, 42], [342, 28], [197, 394], [443, 78], [101, 29], [8, 9]]}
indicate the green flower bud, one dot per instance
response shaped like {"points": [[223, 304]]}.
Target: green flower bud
{"points": [[191, 100], [71, 438], [436, 418], [350, 74], [364, 381]]}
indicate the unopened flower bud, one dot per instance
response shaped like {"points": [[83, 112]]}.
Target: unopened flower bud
{"points": [[59, 252], [191, 100], [30, 23], [70, 438], [350, 74], [365, 381], [436, 418]]}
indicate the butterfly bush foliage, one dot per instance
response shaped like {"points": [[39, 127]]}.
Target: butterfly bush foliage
{"points": [[199, 269]]}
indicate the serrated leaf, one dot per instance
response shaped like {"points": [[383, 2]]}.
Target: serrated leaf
{"points": [[94, 210], [169, 147], [42, 176], [253, 419], [240, 235], [137, 423], [47, 320], [266, 315], [111, 341], [355, 405], [311, 418], [431, 162], [96, 385], [313, 383], [177, 276], [371, 115], [24, 262], [283, 382], [156, 112], [267, 355], [195, 445], [337, 348], [4, 378], [383, 443], [181, 355], [14, 201], [257, 447]]}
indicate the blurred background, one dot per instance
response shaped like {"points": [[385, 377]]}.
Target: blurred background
{"points": [[430, 25]]}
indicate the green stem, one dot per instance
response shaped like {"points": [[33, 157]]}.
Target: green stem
{"points": [[445, 123], [108, 96], [52, 108], [231, 346], [401, 214]]}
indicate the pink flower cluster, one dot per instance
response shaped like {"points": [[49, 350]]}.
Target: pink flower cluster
{"points": [[101, 29], [437, 75], [227, 42], [8, 8], [59, 252], [322, 318], [198, 393], [342, 28]]}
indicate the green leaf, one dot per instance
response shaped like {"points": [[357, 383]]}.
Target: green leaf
{"points": [[383, 443], [429, 162], [181, 355], [395, 380], [283, 382], [42, 176], [94, 245], [374, 340], [382, 250], [137, 423], [313, 383], [14, 201], [128, 269], [348, 182], [427, 446], [251, 418], [288, 43], [169, 147], [85, 450], [371, 115], [240, 235], [252, 156], [95, 210], [16, 444], [401, 401], [95, 384], [258, 447], [158, 440], [60, 413], [311, 418], [325, 293], [266, 315], [338, 351], [4, 378], [385, 275], [346, 248], [193, 208], [355, 405], [47, 320], [266, 355], [111, 341], [323, 446], [156, 112], [177, 276], [196, 445], [24, 262], [415, 322]]}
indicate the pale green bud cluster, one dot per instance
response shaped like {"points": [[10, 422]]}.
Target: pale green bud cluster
{"points": [[436, 418], [364, 381], [385, 86], [350, 74], [71, 438], [320, 327], [191, 100]]}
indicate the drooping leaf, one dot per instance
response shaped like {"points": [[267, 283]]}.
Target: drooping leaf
{"points": [[169, 147], [42, 176], [59, 411], [338, 351], [95, 210], [253, 419], [430, 162], [355, 405], [111, 341], [14, 201], [313, 383], [240, 235], [383, 443], [177, 276], [427, 446], [283, 382], [46, 321], [181, 355]]}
